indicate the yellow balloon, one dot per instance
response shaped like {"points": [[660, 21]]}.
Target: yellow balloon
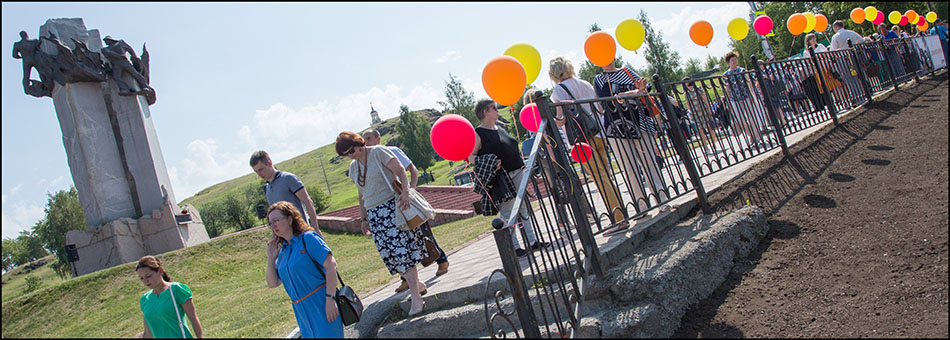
{"points": [[894, 17], [870, 13], [529, 58], [738, 28], [931, 17], [630, 34], [809, 21]]}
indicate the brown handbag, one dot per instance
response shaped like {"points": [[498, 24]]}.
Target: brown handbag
{"points": [[432, 251]]}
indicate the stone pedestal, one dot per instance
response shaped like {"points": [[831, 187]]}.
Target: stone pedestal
{"points": [[126, 239]]}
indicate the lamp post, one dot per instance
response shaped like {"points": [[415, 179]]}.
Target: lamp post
{"points": [[325, 180]]}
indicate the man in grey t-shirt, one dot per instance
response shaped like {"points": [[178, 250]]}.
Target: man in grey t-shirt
{"points": [[371, 136], [284, 186]]}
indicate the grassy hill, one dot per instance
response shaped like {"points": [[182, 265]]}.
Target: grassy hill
{"points": [[226, 276], [308, 168]]}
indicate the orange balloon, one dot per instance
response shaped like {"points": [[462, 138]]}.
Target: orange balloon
{"points": [[701, 32], [600, 48], [821, 23], [796, 23], [911, 15], [504, 80], [857, 15], [922, 26]]}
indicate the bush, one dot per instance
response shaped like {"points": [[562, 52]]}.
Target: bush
{"points": [[32, 283]]}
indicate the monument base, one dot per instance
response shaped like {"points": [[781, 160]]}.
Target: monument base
{"points": [[126, 239]]}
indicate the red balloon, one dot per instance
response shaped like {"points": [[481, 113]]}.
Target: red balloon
{"points": [[581, 152], [530, 117], [904, 20], [453, 137], [880, 18]]}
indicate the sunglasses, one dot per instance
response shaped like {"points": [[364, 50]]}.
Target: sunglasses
{"points": [[350, 151]]}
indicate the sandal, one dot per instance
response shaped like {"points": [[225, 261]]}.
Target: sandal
{"points": [[424, 290], [414, 312]]}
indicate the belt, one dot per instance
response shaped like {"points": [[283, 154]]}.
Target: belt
{"points": [[308, 295]]}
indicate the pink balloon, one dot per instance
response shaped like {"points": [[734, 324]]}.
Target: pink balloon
{"points": [[581, 152], [452, 137], [879, 19], [904, 20], [762, 25], [530, 117]]}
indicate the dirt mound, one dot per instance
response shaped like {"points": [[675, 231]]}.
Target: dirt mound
{"points": [[858, 239]]}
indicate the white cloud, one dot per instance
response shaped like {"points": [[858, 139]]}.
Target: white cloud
{"points": [[205, 166], [245, 136], [448, 56], [13, 191], [19, 216], [54, 183], [286, 132]]}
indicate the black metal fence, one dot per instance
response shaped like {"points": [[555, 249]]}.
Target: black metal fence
{"points": [[654, 147]]}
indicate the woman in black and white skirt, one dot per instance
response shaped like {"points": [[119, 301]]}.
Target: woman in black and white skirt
{"points": [[400, 250]]}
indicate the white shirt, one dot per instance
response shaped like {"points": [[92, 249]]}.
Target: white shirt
{"points": [[581, 89], [840, 40], [819, 48]]}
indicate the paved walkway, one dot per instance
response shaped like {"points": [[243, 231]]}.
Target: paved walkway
{"points": [[472, 263]]}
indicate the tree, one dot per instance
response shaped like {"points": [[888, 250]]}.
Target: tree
{"points": [[715, 61], [63, 213], [9, 248], [212, 214], [254, 194], [414, 135], [692, 67], [30, 248], [662, 60], [237, 212], [321, 201], [459, 101]]}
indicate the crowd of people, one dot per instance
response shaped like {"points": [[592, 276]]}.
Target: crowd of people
{"points": [[300, 260]]}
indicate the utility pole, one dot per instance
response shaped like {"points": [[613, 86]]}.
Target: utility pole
{"points": [[327, 181], [766, 47]]}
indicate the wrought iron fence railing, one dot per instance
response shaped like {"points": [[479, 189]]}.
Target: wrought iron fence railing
{"points": [[651, 148]]}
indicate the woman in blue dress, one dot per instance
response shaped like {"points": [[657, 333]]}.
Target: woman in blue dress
{"points": [[302, 267]]}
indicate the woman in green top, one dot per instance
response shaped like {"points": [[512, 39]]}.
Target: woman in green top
{"points": [[166, 304]]}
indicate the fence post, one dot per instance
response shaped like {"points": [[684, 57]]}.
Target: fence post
{"points": [[519, 290], [908, 53], [861, 74], [682, 148], [821, 82], [577, 202], [890, 68], [770, 110]]}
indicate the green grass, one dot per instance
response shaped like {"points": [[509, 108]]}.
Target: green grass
{"points": [[308, 168], [226, 276], [15, 280]]}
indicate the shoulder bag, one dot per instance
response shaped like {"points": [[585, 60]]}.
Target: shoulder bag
{"points": [[175, 305], [349, 305], [588, 125], [419, 212]]}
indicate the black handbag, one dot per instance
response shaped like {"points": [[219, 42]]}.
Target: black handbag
{"points": [[589, 126], [349, 305]]}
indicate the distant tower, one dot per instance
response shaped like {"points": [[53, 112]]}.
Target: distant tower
{"points": [[374, 115]]}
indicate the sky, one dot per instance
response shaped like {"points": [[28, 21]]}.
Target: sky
{"points": [[233, 78]]}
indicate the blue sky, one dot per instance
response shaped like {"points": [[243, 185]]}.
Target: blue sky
{"points": [[287, 77]]}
